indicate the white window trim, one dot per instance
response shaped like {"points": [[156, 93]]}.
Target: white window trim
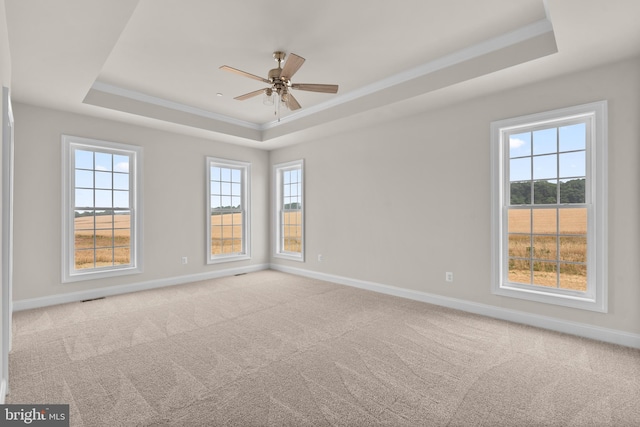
{"points": [[277, 196], [246, 202], [596, 299], [68, 180]]}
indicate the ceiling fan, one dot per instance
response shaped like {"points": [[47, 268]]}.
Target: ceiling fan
{"points": [[279, 80]]}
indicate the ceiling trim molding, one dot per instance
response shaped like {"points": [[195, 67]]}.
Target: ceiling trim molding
{"points": [[172, 105], [528, 32], [366, 97]]}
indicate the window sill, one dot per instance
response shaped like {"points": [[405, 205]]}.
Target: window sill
{"points": [[590, 303]]}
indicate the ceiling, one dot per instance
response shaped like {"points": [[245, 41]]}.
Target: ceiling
{"points": [[156, 62]]}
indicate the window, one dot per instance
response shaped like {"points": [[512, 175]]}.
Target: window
{"points": [[227, 210], [102, 209], [549, 207], [289, 182]]}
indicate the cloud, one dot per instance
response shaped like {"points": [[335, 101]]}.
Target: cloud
{"points": [[122, 167], [516, 143]]}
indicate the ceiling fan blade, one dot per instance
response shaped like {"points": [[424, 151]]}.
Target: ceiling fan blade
{"points": [[292, 65], [292, 102], [315, 87], [250, 94], [244, 73]]}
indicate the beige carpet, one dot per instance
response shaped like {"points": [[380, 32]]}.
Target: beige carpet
{"points": [[271, 349]]}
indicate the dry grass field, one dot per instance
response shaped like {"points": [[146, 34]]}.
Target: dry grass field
{"points": [[109, 244], [293, 232], [226, 233], [565, 232]]}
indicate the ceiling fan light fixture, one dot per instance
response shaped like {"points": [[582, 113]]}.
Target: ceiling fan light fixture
{"points": [[267, 99], [279, 80]]}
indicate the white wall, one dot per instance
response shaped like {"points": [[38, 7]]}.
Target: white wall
{"points": [[5, 81], [405, 201], [174, 218]]}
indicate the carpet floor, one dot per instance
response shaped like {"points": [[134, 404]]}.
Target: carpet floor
{"points": [[272, 349]]}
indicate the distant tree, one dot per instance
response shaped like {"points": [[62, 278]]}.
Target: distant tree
{"points": [[545, 192]]}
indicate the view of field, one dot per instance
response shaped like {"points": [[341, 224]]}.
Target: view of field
{"points": [[559, 241], [292, 231], [226, 233], [108, 245]]}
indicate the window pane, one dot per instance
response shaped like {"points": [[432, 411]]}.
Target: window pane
{"points": [[573, 191], [545, 247], [83, 220], [84, 179], [225, 174], [216, 187], [519, 221], [236, 202], [573, 164], [573, 276], [122, 238], [83, 259], [545, 274], [83, 239], [545, 193], [104, 198], [122, 256], [104, 162], [120, 163], [215, 173], [84, 159], [216, 245], [236, 189], [225, 201], [84, 198], [545, 141], [104, 257], [226, 188], [519, 271], [545, 221], [520, 193], [573, 137], [103, 180], [573, 221], [121, 181], [520, 245], [573, 248], [520, 144], [121, 199], [236, 175], [520, 169], [545, 167]]}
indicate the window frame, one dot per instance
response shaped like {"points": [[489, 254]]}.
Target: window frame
{"points": [[278, 249], [69, 145], [245, 168], [595, 297]]}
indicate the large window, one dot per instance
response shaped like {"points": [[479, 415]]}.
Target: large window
{"points": [[101, 229], [227, 210], [549, 207], [289, 183]]}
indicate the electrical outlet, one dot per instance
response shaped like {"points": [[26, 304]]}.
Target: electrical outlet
{"points": [[448, 276], [184, 260], [320, 258]]}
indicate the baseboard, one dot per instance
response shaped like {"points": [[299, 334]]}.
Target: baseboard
{"points": [[3, 391], [613, 336], [27, 304]]}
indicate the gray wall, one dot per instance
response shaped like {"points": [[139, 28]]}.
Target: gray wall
{"points": [[5, 80], [405, 201], [174, 180]]}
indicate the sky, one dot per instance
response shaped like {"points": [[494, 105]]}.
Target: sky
{"points": [[548, 154]]}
